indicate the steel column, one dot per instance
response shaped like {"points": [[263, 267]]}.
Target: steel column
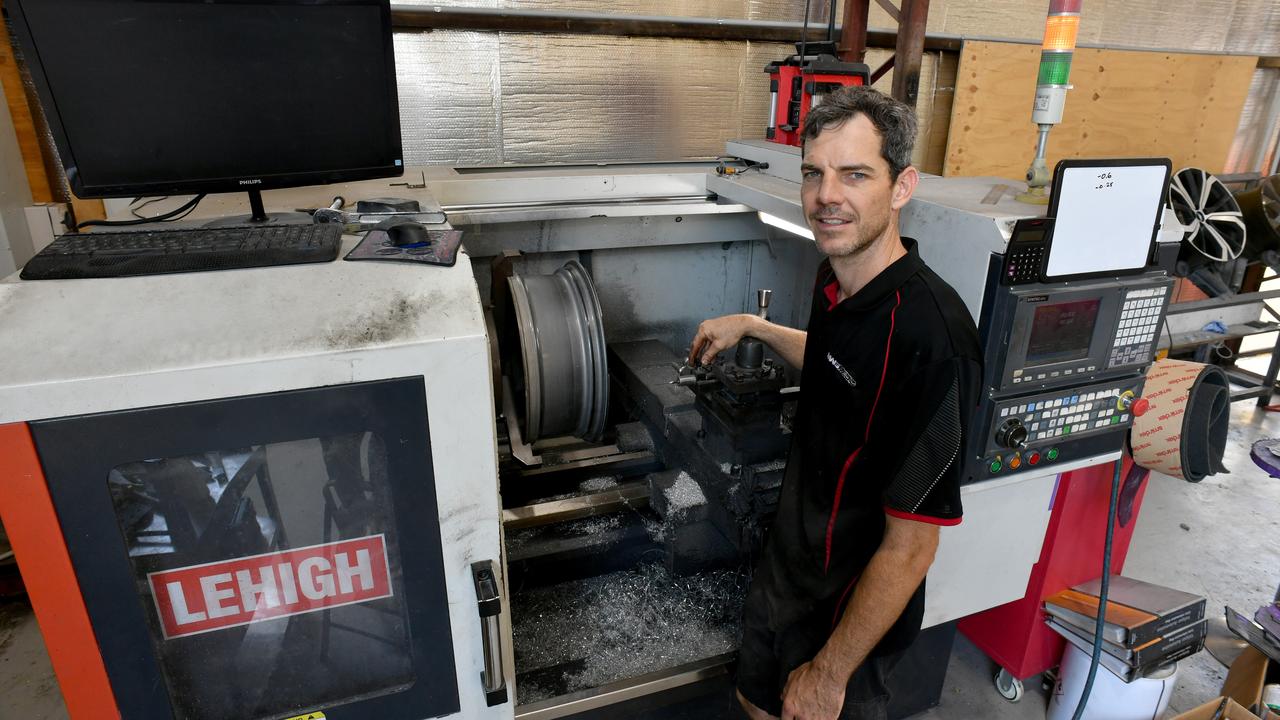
{"points": [[909, 50], [853, 32]]}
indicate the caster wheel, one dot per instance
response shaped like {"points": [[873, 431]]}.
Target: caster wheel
{"points": [[1009, 687]]}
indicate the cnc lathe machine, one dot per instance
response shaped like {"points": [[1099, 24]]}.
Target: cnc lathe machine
{"points": [[384, 489]]}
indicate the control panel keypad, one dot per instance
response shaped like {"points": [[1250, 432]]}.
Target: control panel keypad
{"points": [[1022, 264], [1052, 417], [1139, 323]]}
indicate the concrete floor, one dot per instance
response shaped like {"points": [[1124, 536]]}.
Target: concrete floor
{"points": [[1215, 538]]}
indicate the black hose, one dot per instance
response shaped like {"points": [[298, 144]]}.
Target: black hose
{"points": [[1101, 622], [804, 35]]}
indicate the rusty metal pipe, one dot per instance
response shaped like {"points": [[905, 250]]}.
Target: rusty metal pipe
{"points": [[854, 35], [909, 50], [538, 21]]}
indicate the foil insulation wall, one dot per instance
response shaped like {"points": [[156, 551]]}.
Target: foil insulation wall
{"points": [[531, 98], [1258, 134], [449, 91], [484, 98], [595, 98]]}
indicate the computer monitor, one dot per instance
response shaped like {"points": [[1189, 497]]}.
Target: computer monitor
{"points": [[169, 97]]}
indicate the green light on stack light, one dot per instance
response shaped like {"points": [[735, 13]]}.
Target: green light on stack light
{"points": [[1055, 69]]}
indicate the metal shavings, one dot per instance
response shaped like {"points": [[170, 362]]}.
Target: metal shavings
{"points": [[770, 466], [657, 528], [532, 692], [597, 525], [683, 494], [625, 624], [522, 538], [597, 484]]}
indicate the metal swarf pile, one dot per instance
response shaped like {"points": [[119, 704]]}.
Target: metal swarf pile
{"points": [[587, 633]]}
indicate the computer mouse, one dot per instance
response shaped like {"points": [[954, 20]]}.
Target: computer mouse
{"points": [[408, 233]]}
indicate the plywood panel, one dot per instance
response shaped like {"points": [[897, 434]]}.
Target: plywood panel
{"points": [[1124, 103]]}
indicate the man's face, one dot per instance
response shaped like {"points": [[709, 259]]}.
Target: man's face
{"points": [[846, 189]]}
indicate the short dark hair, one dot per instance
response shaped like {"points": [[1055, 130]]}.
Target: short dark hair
{"points": [[894, 121]]}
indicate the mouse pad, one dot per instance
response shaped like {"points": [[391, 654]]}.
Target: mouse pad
{"points": [[442, 248]]}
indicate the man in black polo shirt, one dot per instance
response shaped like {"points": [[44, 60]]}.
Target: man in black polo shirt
{"points": [[890, 371]]}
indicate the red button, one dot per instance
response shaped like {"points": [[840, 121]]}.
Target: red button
{"points": [[1033, 458], [1140, 407]]}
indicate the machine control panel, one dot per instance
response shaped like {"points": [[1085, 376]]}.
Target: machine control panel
{"points": [[1065, 363], [1063, 425], [1062, 414], [1140, 320], [1059, 333]]}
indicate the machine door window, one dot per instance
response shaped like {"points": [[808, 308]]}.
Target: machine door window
{"points": [[247, 559], [270, 572]]}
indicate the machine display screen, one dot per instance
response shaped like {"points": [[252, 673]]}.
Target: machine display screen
{"points": [[1062, 331]]}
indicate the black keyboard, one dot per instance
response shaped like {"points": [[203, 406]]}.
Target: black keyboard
{"points": [[173, 250]]}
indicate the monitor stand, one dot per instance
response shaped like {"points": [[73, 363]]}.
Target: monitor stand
{"points": [[259, 216]]}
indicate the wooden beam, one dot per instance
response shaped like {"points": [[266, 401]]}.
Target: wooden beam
{"points": [[24, 124], [889, 8]]}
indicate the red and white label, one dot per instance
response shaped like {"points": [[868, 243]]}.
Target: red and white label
{"points": [[219, 595]]}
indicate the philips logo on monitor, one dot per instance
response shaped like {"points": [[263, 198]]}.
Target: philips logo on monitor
{"points": [[255, 181]]}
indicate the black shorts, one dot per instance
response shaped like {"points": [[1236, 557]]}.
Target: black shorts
{"points": [[767, 658]]}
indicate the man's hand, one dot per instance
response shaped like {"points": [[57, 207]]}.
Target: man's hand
{"points": [[719, 334], [812, 693]]}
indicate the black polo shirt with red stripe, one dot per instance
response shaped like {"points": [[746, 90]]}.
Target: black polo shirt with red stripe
{"points": [[890, 377]]}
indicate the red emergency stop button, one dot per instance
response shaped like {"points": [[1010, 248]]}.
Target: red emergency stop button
{"points": [[1140, 407], [1034, 458]]}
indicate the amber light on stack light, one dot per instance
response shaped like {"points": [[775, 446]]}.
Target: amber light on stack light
{"points": [[1060, 30]]}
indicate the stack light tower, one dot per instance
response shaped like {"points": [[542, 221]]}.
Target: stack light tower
{"points": [[1060, 30]]}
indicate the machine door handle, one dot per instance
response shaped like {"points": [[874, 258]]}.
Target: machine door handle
{"points": [[489, 601]]}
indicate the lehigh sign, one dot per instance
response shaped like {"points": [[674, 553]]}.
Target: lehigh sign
{"points": [[214, 596]]}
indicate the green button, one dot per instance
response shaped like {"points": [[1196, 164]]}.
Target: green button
{"points": [[995, 466], [1114, 419], [1052, 454], [1066, 430]]}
